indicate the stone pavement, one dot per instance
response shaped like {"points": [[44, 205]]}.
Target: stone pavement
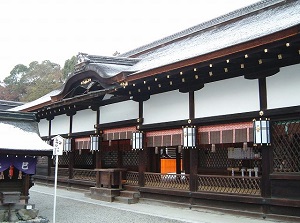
{"points": [[74, 207]]}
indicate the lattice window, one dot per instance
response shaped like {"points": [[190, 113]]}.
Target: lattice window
{"points": [[286, 146], [110, 159], [130, 158], [217, 159], [83, 159], [42, 160], [63, 160]]}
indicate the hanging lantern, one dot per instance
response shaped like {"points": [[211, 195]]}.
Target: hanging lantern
{"points": [[261, 132], [189, 137], [68, 145], [137, 140], [94, 143]]}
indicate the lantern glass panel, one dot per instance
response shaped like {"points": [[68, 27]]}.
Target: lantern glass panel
{"points": [[137, 140], [94, 143], [189, 137], [67, 145], [261, 130]]}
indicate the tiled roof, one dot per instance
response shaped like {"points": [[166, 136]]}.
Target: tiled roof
{"points": [[205, 25], [212, 38], [240, 26]]}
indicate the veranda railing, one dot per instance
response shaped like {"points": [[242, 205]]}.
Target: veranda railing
{"points": [[174, 181], [229, 184], [206, 183], [78, 174]]}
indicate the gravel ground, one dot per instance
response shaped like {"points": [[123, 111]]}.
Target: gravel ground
{"points": [[74, 207], [72, 211]]}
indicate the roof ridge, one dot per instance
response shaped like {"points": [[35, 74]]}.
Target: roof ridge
{"points": [[208, 24], [113, 60]]}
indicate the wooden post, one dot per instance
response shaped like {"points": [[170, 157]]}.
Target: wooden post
{"points": [[98, 185], [178, 161], [71, 154], [186, 160], [193, 169], [120, 156], [267, 164], [26, 187], [142, 167], [120, 179], [71, 163]]}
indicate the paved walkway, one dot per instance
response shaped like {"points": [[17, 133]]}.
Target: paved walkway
{"points": [[74, 207]]}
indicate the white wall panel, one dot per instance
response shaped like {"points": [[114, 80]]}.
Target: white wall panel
{"points": [[283, 88], [60, 125], [228, 96], [121, 111], [84, 121], [43, 127], [165, 107]]}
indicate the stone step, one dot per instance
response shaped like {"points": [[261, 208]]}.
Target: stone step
{"points": [[131, 187], [103, 194], [126, 200], [130, 194]]}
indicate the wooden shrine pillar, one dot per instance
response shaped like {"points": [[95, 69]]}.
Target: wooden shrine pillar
{"points": [[72, 152], [71, 161], [50, 161], [186, 160], [99, 153], [142, 166], [194, 154], [178, 160], [267, 166]]}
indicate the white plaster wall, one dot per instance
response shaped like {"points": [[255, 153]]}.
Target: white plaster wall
{"points": [[60, 125], [84, 120], [43, 127], [283, 88], [165, 107], [228, 96], [121, 111]]}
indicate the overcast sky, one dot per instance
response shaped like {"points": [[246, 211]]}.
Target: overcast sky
{"points": [[55, 30]]}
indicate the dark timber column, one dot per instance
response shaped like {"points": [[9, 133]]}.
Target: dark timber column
{"points": [[262, 93], [193, 152], [49, 137], [178, 160], [99, 152], [267, 151], [71, 153], [142, 153], [267, 165]]}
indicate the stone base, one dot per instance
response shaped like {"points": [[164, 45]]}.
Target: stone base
{"points": [[104, 194], [21, 216]]}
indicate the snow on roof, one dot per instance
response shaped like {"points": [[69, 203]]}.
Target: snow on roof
{"points": [[19, 139], [253, 26], [21, 135], [38, 101]]}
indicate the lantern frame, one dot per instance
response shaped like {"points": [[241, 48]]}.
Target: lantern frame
{"points": [[67, 145], [261, 132], [189, 134], [94, 140], [137, 140]]}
